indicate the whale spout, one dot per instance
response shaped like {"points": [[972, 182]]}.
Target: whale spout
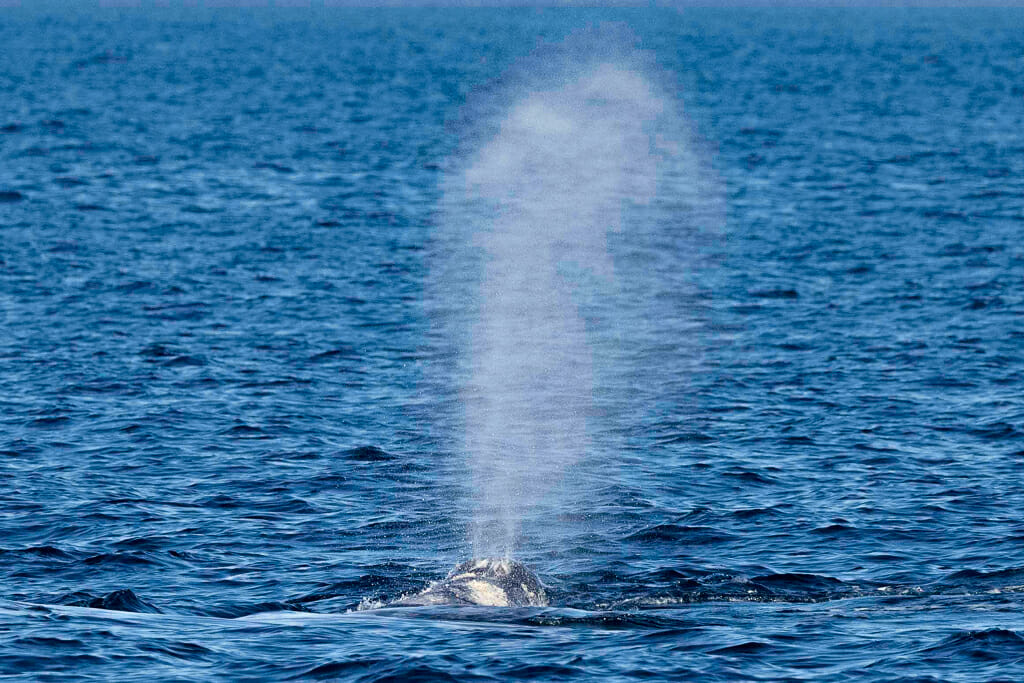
{"points": [[489, 582]]}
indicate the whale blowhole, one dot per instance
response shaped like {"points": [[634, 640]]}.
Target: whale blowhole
{"points": [[488, 582]]}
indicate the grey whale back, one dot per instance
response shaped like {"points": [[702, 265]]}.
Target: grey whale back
{"points": [[498, 583]]}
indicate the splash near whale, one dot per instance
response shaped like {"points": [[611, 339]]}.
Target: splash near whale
{"points": [[526, 222], [488, 582]]}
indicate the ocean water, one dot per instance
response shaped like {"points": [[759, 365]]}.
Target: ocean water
{"points": [[237, 298]]}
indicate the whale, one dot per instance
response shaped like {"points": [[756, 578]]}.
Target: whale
{"points": [[486, 582]]}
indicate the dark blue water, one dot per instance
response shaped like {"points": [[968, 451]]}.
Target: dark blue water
{"points": [[229, 418]]}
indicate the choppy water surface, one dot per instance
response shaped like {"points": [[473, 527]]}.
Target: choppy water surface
{"points": [[232, 399]]}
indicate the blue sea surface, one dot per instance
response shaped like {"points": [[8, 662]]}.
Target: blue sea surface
{"points": [[230, 421]]}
